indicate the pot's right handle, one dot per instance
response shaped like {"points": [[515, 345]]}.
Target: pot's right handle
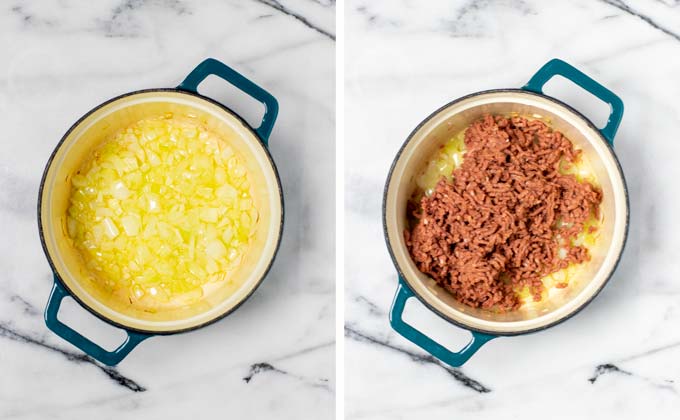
{"points": [[556, 67], [212, 66], [451, 358]]}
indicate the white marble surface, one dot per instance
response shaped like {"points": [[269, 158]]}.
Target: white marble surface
{"points": [[274, 357], [618, 358]]}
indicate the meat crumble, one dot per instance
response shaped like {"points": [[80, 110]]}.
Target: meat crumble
{"points": [[508, 217]]}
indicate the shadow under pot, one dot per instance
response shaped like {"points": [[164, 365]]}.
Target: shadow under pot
{"points": [[442, 125], [73, 278]]}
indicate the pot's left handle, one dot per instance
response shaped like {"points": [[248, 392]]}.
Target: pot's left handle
{"points": [[451, 358], [110, 358], [217, 68]]}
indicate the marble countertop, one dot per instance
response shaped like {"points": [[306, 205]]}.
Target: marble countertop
{"points": [[619, 357], [275, 356]]}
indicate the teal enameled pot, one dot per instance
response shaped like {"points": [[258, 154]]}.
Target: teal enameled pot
{"points": [[72, 278], [439, 127]]}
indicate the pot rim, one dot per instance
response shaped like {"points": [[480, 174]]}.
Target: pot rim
{"points": [[75, 296], [432, 307]]}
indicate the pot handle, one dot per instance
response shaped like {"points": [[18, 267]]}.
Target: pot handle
{"points": [[110, 358], [212, 66], [556, 67], [451, 358]]}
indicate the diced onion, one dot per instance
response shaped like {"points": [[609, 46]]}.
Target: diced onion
{"points": [[110, 228], [160, 210], [120, 191], [131, 224], [216, 249]]}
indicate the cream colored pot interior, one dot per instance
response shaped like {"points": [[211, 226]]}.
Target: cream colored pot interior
{"points": [[100, 125], [561, 302]]}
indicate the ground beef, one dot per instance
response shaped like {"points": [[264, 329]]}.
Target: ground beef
{"points": [[499, 224]]}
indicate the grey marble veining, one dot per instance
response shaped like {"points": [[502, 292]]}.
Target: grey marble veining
{"points": [[618, 357], [274, 357]]}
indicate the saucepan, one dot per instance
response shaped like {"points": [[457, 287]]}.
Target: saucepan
{"points": [[71, 277], [431, 134]]}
